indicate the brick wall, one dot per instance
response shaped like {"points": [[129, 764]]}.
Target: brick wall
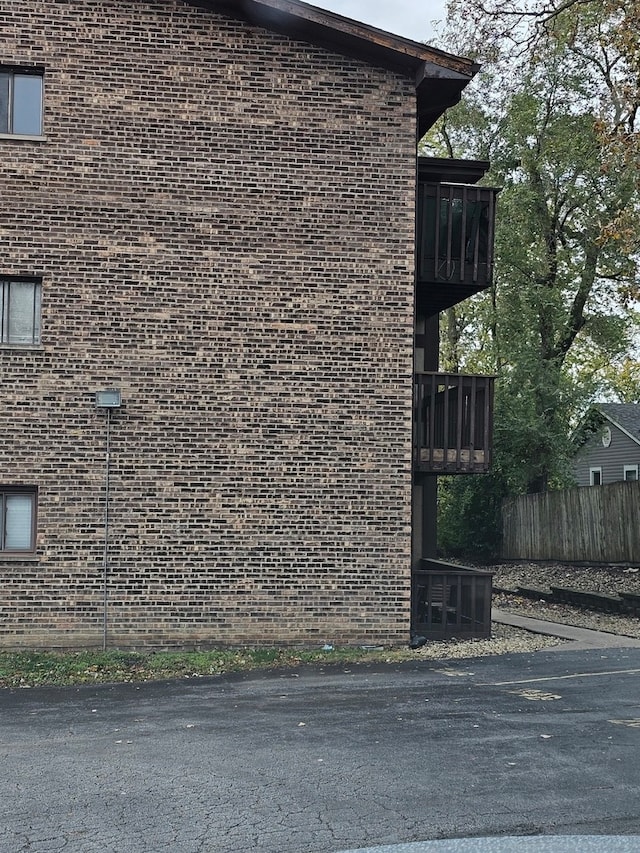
{"points": [[223, 222]]}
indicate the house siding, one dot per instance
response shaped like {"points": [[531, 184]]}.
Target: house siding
{"points": [[622, 451], [223, 220]]}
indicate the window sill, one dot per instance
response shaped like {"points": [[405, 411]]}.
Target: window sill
{"points": [[23, 347], [20, 137], [14, 557]]}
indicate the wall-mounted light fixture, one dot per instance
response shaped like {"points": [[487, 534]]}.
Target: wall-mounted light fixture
{"points": [[108, 399]]}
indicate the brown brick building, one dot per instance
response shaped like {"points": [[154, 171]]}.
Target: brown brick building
{"points": [[211, 207]]}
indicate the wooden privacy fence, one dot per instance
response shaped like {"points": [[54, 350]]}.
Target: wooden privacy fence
{"points": [[599, 524]]}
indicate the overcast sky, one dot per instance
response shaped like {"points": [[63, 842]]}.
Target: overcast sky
{"points": [[409, 18]]}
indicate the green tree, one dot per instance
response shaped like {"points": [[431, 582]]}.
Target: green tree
{"points": [[562, 140]]}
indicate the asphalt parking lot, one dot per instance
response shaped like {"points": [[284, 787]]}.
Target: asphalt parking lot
{"points": [[319, 761]]}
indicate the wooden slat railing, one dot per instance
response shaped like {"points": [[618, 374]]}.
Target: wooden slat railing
{"points": [[450, 601], [455, 233], [453, 421]]}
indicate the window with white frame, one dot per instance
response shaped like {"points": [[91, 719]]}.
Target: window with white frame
{"points": [[17, 520], [595, 476], [630, 472], [20, 310], [21, 92]]}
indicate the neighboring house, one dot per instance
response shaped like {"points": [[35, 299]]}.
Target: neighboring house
{"points": [[609, 441], [216, 423]]}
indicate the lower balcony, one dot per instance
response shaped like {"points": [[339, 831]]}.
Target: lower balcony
{"points": [[450, 601], [453, 421]]}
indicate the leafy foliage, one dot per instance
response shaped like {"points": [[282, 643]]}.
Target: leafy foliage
{"points": [[469, 516], [556, 113]]}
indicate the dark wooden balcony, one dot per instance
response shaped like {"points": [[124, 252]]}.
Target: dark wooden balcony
{"points": [[455, 234], [453, 423], [450, 601]]}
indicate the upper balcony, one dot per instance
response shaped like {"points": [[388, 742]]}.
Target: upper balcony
{"points": [[453, 423], [455, 234]]}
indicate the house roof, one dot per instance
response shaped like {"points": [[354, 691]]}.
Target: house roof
{"points": [[439, 77], [626, 416]]}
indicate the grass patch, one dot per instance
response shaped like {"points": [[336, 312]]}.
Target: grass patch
{"points": [[38, 669]]}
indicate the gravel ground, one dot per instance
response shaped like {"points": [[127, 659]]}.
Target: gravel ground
{"points": [[505, 639], [605, 579]]}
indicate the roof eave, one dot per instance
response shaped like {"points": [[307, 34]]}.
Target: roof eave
{"points": [[439, 77], [438, 89]]}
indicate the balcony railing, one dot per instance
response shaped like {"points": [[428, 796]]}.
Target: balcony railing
{"points": [[450, 601], [455, 242], [453, 421]]}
